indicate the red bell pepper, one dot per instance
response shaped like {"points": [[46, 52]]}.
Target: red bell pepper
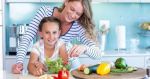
{"points": [[63, 74]]}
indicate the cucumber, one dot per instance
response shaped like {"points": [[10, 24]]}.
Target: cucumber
{"points": [[90, 69]]}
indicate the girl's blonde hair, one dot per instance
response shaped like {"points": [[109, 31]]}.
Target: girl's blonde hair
{"points": [[86, 18]]}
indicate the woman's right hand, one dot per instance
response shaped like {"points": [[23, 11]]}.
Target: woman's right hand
{"points": [[17, 68]]}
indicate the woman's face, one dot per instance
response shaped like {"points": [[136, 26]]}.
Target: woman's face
{"points": [[50, 33], [72, 11]]}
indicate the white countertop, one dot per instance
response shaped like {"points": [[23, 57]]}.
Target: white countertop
{"points": [[9, 75]]}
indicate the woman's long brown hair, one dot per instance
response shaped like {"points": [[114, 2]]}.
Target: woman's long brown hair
{"points": [[86, 19]]}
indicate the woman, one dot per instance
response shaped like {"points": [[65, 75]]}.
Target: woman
{"points": [[76, 20]]}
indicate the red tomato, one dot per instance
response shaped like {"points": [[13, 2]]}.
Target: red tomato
{"points": [[63, 74]]}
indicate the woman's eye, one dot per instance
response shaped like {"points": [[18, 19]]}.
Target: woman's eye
{"points": [[54, 32], [78, 14]]}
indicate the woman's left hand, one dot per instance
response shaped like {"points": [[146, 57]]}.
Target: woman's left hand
{"points": [[76, 50]]}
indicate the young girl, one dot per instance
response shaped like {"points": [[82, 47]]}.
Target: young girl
{"points": [[49, 46]]}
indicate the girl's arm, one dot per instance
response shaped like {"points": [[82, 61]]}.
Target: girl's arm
{"points": [[34, 66], [63, 53]]}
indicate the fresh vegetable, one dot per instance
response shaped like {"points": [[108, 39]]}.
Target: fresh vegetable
{"points": [[120, 63], [127, 70], [90, 69], [82, 67], [55, 66], [103, 68], [63, 74]]}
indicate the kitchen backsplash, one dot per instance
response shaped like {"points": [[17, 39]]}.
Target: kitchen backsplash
{"points": [[130, 15]]}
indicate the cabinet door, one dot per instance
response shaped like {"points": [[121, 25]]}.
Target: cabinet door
{"points": [[22, 0], [122, 1]]}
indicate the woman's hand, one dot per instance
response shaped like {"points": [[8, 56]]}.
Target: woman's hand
{"points": [[76, 50], [17, 68]]}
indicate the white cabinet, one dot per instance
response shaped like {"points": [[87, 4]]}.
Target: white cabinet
{"points": [[123, 1], [23, 1]]}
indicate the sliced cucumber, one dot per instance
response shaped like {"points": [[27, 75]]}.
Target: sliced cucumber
{"points": [[91, 69], [87, 71]]}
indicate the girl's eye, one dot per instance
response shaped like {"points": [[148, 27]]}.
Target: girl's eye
{"points": [[72, 9], [47, 32]]}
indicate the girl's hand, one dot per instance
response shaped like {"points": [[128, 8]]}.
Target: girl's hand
{"points": [[17, 68], [40, 65], [76, 50], [40, 69], [38, 72]]}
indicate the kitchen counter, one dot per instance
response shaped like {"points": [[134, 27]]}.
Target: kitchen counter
{"points": [[139, 74], [9, 75]]}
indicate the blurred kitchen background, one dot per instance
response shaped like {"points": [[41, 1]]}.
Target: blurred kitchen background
{"points": [[123, 18], [130, 15]]}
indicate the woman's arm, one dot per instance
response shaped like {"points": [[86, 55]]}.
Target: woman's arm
{"points": [[63, 53], [34, 66], [92, 49], [30, 34]]}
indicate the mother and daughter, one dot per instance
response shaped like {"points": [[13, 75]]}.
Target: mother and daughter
{"points": [[75, 18]]}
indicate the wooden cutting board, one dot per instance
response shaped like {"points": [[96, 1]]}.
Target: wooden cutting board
{"points": [[139, 74]]}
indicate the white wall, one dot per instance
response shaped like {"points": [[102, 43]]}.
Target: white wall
{"points": [[1, 53]]}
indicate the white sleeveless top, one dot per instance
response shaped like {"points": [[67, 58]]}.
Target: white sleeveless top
{"points": [[38, 48]]}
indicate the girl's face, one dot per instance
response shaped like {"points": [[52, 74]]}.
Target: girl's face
{"points": [[72, 11], [50, 33]]}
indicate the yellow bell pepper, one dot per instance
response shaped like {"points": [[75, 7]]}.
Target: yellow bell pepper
{"points": [[103, 68]]}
